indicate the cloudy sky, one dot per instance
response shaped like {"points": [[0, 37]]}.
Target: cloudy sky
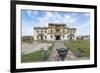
{"points": [[34, 18]]}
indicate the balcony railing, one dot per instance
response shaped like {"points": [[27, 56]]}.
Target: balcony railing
{"points": [[57, 32], [41, 34]]}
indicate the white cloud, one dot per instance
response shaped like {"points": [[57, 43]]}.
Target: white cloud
{"points": [[54, 17], [27, 30], [87, 14], [32, 13], [83, 29]]}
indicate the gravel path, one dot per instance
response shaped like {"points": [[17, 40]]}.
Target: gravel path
{"points": [[53, 55]]}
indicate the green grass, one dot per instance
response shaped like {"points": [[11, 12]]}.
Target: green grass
{"points": [[35, 56], [82, 45], [32, 57]]}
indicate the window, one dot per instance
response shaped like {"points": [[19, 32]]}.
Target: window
{"points": [[68, 36], [45, 36], [41, 31], [63, 36], [37, 37], [37, 31], [68, 31], [45, 31], [73, 36], [51, 36], [63, 30], [51, 30], [57, 30], [73, 31]]}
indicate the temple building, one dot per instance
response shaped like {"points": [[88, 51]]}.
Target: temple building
{"points": [[54, 32]]}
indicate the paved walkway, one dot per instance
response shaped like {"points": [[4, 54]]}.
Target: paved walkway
{"points": [[53, 56]]}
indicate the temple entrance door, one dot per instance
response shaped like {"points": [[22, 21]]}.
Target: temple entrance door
{"points": [[58, 37], [41, 38], [70, 38]]}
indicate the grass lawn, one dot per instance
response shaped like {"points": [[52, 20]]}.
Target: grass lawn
{"points": [[35, 56], [83, 47]]}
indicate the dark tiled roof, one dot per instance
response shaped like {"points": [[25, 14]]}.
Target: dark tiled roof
{"points": [[56, 24], [72, 28], [40, 28]]}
